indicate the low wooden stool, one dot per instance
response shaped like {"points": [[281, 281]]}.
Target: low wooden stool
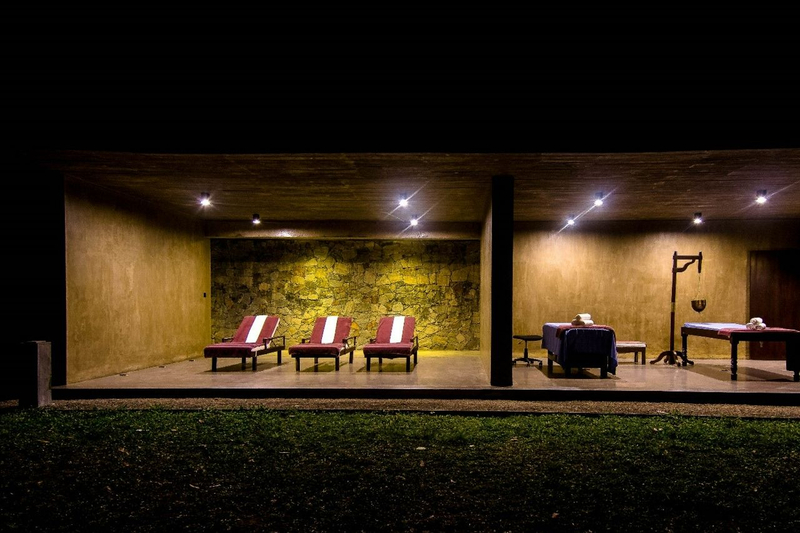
{"points": [[635, 347]]}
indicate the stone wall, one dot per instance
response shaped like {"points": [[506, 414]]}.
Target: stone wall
{"points": [[435, 281]]}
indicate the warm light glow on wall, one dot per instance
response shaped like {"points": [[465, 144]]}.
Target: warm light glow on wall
{"points": [[205, 199], [698, 218], [761, 197]]}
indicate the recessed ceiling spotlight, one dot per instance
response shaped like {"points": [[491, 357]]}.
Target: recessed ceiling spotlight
{"points": [[698, 218], [571, 220], [403, 202], [205, 199], [414, 221], [598, 199], [761, 197], [256, 219]]}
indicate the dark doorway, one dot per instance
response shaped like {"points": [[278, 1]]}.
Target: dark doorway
{"points": [[774, 296]]}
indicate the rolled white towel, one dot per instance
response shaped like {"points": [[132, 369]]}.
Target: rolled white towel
{"points": [[757, 327], [577, 322], [756, 320], [582, 316], [750, 325], [761, 326]]}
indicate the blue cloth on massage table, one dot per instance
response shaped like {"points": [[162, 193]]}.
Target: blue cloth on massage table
{"points": [[579, 341]]}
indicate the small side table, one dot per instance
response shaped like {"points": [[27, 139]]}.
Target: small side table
{"points": [[633, 346], [525, 357]]}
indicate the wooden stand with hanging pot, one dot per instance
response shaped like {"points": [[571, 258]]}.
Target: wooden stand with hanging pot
{"points": [[698, 305]]}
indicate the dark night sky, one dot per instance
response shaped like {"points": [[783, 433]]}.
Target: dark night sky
{"points": [[353, 81]]}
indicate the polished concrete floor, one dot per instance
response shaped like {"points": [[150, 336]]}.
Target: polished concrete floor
{"points": [[448, 374], [435, 370]]}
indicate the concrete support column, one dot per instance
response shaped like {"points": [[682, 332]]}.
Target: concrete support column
{"points": [[502, 279]]}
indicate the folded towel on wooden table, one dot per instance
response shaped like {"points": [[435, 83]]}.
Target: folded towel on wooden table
{"points": [[756, 323]]}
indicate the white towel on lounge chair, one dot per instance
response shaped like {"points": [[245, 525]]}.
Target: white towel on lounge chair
{"points": [[330, 329], [255, 329], [398, 323]]}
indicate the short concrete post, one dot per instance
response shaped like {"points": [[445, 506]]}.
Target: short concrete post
{"points": [[34, 388]]}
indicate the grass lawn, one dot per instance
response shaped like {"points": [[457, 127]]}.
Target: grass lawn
{"points": [[263, 470]]}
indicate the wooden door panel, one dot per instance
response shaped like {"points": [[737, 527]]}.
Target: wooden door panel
{"points": [[774, 296]]}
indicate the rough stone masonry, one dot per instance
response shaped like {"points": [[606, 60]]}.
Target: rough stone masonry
{"points": [[437, 282]]}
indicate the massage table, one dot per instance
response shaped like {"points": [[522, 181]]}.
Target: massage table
{"points": [[580, 347], [739, 332]]}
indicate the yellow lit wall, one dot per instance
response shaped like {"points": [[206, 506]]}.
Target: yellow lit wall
{"points": [[135, 284], [436, 282], [621, 274]]}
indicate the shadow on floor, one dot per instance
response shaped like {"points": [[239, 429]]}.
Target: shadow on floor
{"points": [[237, 367], [388, 367], [325, 367], [723, 373], [583, 373]]}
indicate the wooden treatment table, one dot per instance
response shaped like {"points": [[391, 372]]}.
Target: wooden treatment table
{"points": [[734, 333]]}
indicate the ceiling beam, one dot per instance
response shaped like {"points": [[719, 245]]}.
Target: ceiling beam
{"points": [[342, 229]]}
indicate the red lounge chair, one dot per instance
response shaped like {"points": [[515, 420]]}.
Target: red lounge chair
{"points": [[395, 338], [330, 338], [255, 336]]}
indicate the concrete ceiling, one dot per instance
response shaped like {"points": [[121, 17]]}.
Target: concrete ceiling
{"points": [[447, 187]]}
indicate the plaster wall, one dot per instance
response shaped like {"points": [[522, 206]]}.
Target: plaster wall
{"points": [[621, 274], [138, 285]]}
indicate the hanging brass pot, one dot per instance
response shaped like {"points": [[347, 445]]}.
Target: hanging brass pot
{"points": [[698, 305]]}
